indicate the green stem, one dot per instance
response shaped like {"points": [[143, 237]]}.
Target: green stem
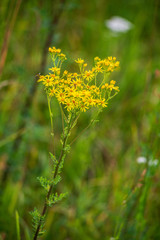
{"points": [[90, 123], [95, 79], [112, 96], [51, 119], [104, 80], [63, 116], [45, 207]]}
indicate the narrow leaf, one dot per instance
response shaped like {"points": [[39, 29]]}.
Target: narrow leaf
{"points": [[18, 226]]}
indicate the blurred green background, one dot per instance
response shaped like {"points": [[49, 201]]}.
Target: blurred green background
{"points": [[111, 194]]}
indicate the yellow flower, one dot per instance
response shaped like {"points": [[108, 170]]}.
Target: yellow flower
{"points": [[112, 82], [58, 50], [97, 59], [63, 56], [65, 72], [116, 64], [116, 88], [74, 90], [110, 58], [106, 63], [88, 75], [41, 78], [98, 69], [52, 92], [83, 108], [48, 82], [54, 69], [75, 74], [111, 87], [79, 61], [90, 102], [52, 49], [103, 103]]}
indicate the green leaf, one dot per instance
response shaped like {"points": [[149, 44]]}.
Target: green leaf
{"points": [[53, 158], [17, 226], [67, 148], [45, 183], [54, 198], [36, 220], [56, 180]]}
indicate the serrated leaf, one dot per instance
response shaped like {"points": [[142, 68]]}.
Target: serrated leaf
{"points": [[36, 220], [45, 183], [53, 158], [54, 198], [67, 148], [56, 180]]}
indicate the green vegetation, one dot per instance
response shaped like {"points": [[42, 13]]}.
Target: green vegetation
{"points": [[111, 193]]}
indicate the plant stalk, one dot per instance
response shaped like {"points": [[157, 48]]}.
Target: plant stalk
{"points": [[54, 176]]}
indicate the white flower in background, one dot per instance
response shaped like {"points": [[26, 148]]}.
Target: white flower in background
{"points": [[153, 162], [141, 160], [118, 24]]}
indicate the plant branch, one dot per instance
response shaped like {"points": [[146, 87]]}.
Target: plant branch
{"points": [[51, 119], [70, 124], [90, 123]]}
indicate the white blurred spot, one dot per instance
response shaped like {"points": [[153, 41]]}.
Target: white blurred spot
{"points": [[141, 160], [153, 162], [118, 24]]}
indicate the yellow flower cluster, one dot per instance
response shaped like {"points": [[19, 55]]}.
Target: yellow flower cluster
{"points": [[80, 91]]}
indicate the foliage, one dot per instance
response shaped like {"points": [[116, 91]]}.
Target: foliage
{"points": [[74, 94], [109, 196]]}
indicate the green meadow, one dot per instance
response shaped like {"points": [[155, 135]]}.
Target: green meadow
{"points": [[111, 174]]}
